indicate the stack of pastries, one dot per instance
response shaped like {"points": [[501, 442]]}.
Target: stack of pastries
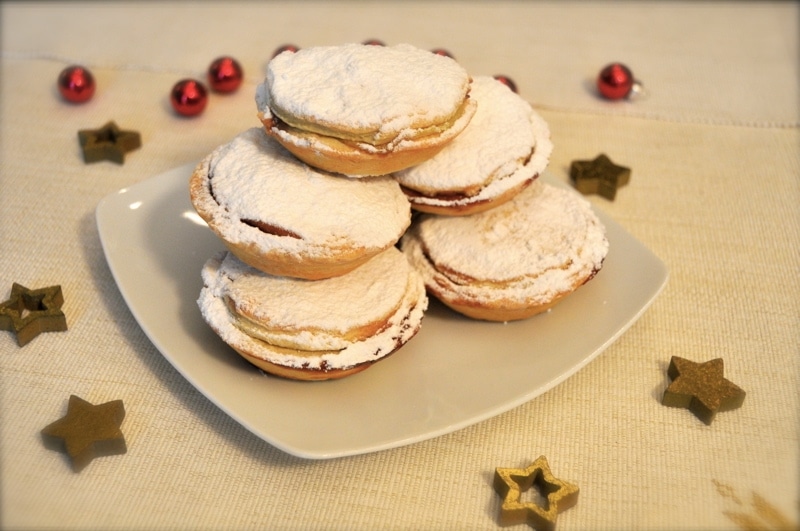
{"points": [[325, 273]]}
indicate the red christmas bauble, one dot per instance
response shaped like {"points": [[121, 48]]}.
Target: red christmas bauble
{"points": [[76, 84], [225, 74], [374, 42], [615, 81], [285, 48], [188, 97], [442, 51], [507, 81]]}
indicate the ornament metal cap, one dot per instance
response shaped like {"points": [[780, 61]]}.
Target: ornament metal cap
{"points": [[638, 91]]}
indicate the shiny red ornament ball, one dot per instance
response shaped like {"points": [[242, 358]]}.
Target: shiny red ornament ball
{"points": [[225, 74], [374, 42], [443, 52], [615, 81], [188, 97], [507, 81], [285, 48], [76, 84]]}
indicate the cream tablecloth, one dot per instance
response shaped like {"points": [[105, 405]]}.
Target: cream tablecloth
{"points": [[714, 193]]}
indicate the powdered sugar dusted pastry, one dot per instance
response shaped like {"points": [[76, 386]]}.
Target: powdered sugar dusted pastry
{"points": [[363, 110], [285, 218], [314, 330], [503, 149], [513, 261]]}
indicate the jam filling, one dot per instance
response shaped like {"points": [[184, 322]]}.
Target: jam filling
{"points": [[268, 228]]}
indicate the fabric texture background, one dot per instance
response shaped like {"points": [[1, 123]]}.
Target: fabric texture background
{"points": [[714, 193]]}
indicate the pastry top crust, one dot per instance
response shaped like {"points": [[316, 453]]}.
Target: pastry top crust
{"points": [[505, 144], [253, 181], [329, 310], [543, 243], [368, 94], [308, 324]]}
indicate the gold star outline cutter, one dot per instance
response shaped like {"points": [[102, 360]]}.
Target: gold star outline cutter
{"points": [[599, 176], [701, 388], [108, 143], [87, 431], [558, 495], [28, 312]]}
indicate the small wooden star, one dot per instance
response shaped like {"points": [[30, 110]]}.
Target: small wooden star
{"points": [[28, 312], [87, 431], [701, 388], [558, 495], [108, 143], [599, 176]]}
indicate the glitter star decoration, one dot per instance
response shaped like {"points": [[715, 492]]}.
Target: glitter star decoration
{"points": [[557, 495], [599, 176], [29, 312], [108, 143], [87, 431], [701, 388]]}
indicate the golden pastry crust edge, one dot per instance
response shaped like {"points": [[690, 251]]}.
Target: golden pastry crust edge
{"points": [[330, 155], [495, 313], [294, 373], [313, 374], [466, 207]]}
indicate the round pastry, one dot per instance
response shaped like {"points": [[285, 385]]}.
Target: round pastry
{"points": [[314, 330], [502, 150], [513, 261], [364, 110], [285, 218]]}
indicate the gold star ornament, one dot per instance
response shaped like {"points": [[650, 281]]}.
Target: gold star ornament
{"points": [[87, 431], [557, 495], [701, 388], [29, 312], [108, 143], [599, 176]]}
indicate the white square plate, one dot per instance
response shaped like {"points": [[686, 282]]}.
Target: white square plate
{"points": [[454, 373]]}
